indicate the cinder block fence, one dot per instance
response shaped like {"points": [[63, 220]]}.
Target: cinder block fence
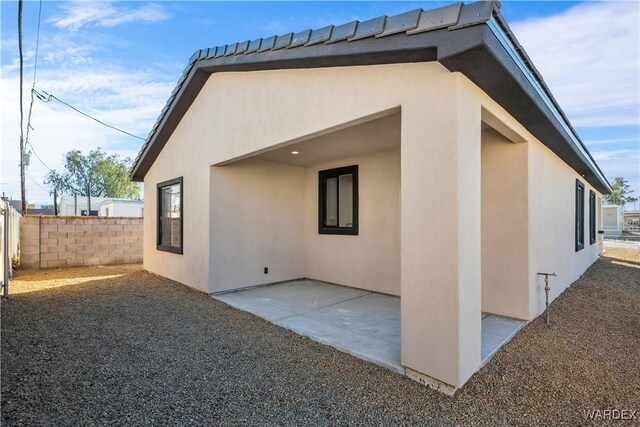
{"points": [[55, 241]]}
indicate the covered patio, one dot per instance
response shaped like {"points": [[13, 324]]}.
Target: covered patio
{"points": [[362, 323], [317, 234]]}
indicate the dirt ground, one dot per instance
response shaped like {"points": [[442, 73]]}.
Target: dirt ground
{"points": [[120, 346]]}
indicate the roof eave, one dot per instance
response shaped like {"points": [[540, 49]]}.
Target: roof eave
{"points": [[480, 51], [396, 48]]}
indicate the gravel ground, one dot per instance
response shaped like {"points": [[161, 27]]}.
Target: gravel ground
{"points": [[130, 348]]}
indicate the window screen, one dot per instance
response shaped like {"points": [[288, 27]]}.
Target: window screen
{"points": [[592, 217], [170, 216], [338, 201], [579, 215]]}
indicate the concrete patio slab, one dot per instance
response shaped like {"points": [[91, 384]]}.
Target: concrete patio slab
{"points": [[358, 322], [360, 345], [374, 315], [362, 323], [496, 332]]}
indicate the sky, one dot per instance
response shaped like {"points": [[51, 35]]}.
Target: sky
{"points": [[119, 61]]}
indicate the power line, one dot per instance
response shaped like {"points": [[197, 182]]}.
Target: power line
{"points": [[23, 192], [46, 166], [35, 70], [36, 182], [38, 157], [47, 97]]}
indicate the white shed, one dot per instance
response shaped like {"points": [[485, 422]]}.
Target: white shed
{"points": [[121, 207], [77, 205], [612, 220]]}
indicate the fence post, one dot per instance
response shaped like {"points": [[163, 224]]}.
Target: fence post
{"points": [[5, 252]]}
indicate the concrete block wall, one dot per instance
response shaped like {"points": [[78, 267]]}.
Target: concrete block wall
{"points": [[54, 241]]}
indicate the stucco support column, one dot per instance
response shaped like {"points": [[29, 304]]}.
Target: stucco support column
{"points": [[440, 235]]}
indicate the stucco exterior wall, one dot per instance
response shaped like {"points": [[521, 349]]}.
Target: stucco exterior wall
{"points": [[552, 186], [551, 207], [240, 115], [440, 248], [256, 222], [505, 219], [227, 122], [265, 214], [370, 260]]}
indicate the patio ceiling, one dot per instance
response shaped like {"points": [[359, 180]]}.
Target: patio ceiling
{"points": [[380, 134]]}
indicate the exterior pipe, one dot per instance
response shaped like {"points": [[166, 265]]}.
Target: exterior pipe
{"points": [[546, 294]]}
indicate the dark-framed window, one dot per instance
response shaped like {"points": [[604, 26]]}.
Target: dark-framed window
{"points": [[579, 215], [338, 201], [592, 217], [170, 218]]}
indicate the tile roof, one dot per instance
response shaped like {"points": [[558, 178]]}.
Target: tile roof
{"points": [[303, 45], [412, 22]]}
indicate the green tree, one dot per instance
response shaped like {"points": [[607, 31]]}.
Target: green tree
{"points": [[621, 193], [107, 175]]}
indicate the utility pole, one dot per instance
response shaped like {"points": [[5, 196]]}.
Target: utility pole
{"points": [[55, 201], [88, 198], [23, 192]]}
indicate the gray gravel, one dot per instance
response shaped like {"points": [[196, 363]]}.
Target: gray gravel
{"points": [[142, 350]]}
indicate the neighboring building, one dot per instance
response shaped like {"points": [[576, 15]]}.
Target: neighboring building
{"points": [[121, 207], [631, 220], [612, 220], [40, 211], [77, 205], [17, 205], [418, 155]]}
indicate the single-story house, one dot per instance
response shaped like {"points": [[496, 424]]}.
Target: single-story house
{"points": [[121, 207], [419, 155]]}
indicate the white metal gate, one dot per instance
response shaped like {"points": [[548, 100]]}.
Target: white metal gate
{"points": [[9, 242]]}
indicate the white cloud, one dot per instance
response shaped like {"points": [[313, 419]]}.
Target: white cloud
{"points": [[589, 56], [79, 68], [77, 14], [609, 141], [130, 100], [622, 154]]}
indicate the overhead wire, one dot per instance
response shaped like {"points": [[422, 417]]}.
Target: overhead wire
{"points": [[33, 85], [33, 150], [35, 70], [47, 97], [36, 182]]}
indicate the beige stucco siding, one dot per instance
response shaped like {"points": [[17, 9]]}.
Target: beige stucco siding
{"points": [[370, 260], [551, 211], [236, 209], [240, 114], [440, 248], [505, 218], [265, 214], [181, 157], [256, 222], [552, 186]]}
